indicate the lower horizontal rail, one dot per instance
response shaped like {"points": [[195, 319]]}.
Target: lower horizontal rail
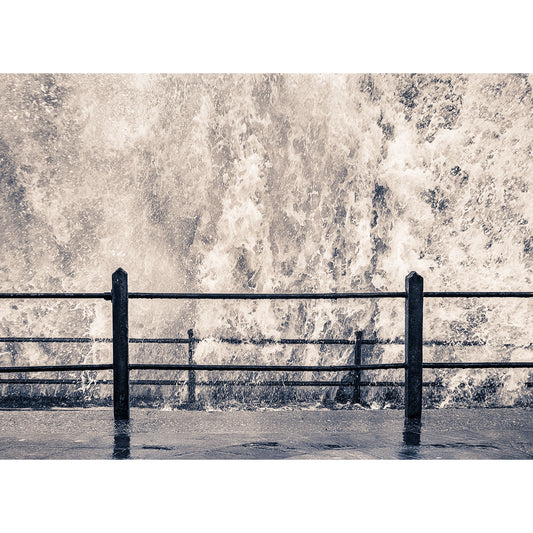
{"points": [[206, 383], [263, 368], [174, 382], [55, 368], [480, 365], [258, 342], [267, 368], [478, 294], [164, 366]]}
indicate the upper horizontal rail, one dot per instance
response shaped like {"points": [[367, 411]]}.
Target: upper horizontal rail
{"points": [[479, 294], [263, 296], [67, 295], [265, 368], [208, 296], [259, 342], [326, 296], [266, 296]]}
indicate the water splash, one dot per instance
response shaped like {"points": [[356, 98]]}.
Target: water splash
{"points": [[266, 183]]}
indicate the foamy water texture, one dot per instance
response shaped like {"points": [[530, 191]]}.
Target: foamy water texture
{"points": [[269, 183]]}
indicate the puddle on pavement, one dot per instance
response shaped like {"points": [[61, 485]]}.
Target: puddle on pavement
{"points": [[151, 434]]}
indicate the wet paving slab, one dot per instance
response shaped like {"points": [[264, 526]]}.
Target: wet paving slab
{"points": [[272, 434]]}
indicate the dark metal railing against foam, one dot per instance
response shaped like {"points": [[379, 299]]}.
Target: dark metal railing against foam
{"points": [[119, 296]]}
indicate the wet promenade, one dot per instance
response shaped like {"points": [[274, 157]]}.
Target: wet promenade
{"points": [[266, 434]]}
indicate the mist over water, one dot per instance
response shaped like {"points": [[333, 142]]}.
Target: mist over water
{"points": [[265, 183]]}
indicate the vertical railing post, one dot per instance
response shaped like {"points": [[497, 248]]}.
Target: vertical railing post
{"points": [[414, 308], [191, 383], [121, 378], [356, 396]]}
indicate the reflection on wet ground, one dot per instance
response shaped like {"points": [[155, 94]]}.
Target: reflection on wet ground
{"points": [[121, 448], [412, 430], [283, 434]]}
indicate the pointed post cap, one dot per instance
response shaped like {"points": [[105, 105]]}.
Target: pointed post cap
{"points": [[119, 274], [413, 279], [119, 281]]}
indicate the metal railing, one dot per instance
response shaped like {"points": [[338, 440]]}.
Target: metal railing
{"points": [[119, 296]]}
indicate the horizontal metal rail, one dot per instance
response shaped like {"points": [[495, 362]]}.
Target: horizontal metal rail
{"points": [[165, 366], [173, 382], [183, 340], [477, 294], [78, 381], [54, 368], [259, 342], [265, 368], [46, 295], [207, 296], [158, 382], [291, 383], [56, 339], [518, 364], [61, 381], [231, 340], [263, 296], [178, 340]]}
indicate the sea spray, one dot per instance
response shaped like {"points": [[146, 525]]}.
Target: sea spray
{"points": [[259, 183]]}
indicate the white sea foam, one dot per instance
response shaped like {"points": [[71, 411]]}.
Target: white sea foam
{"points": [[270, 183]]}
